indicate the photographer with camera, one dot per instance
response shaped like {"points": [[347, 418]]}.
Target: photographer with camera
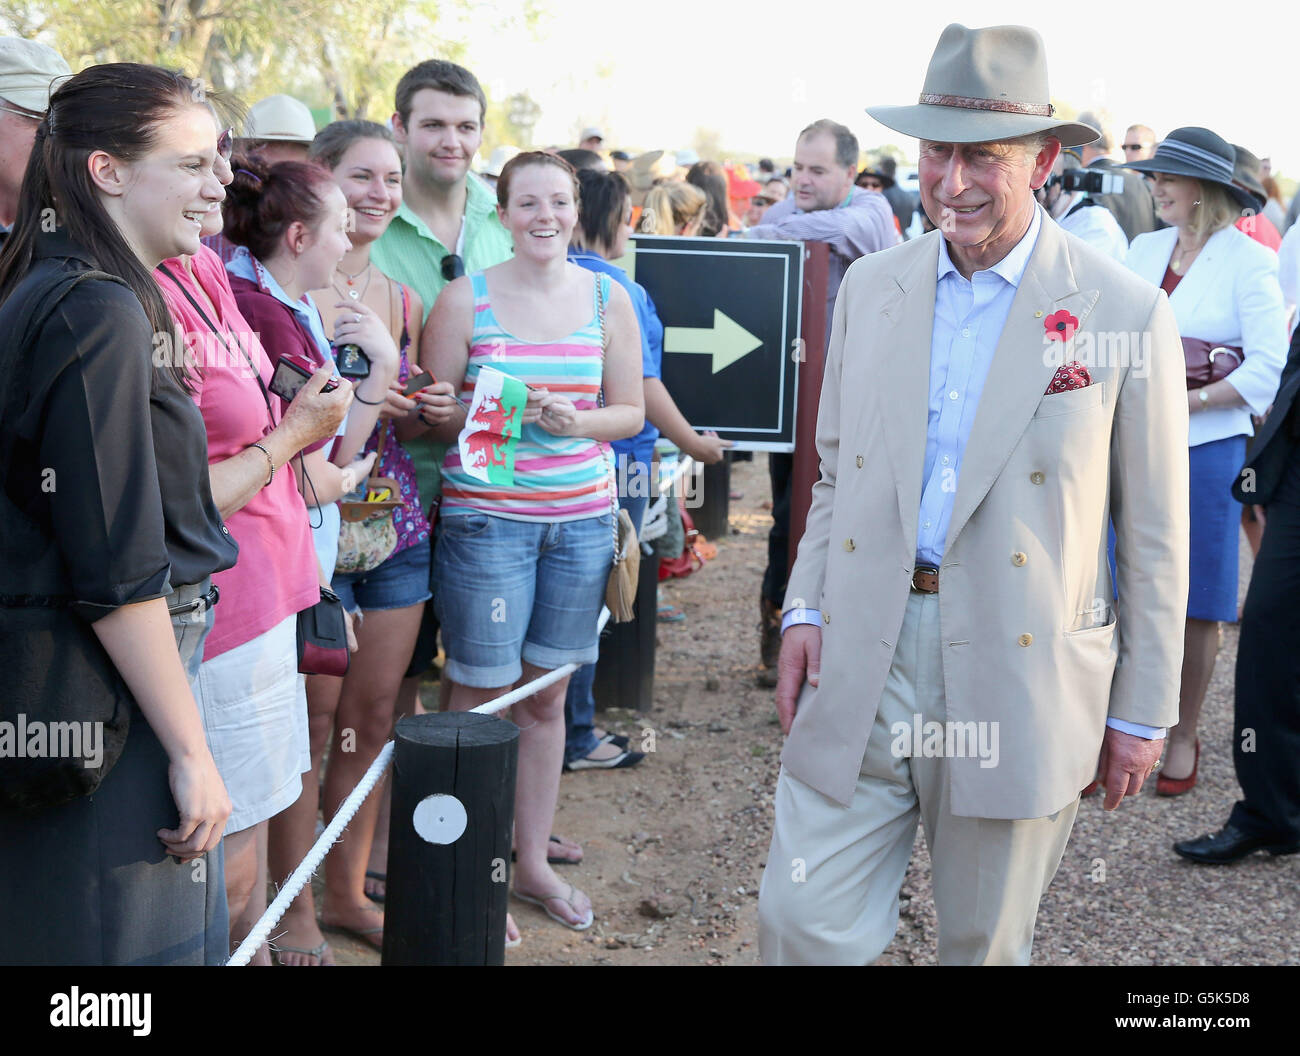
{"points": [[1067, 195], [1133, 207]]}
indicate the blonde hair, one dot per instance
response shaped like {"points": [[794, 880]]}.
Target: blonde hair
{"points": [[1218, 209], [670, 205]]}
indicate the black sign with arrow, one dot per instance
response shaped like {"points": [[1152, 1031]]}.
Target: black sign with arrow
{"points": [[730, 309]]}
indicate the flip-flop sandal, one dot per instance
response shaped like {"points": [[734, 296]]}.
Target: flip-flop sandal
{"points": [[365, 935], [586, 923], [316, 951], [383, 879], [670, 614], [549, 859]]}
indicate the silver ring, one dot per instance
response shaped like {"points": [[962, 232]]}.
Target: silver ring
{"points": [[356, 318]]}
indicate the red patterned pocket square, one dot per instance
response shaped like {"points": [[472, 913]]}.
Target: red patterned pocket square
{"points": [[1069, 376]]}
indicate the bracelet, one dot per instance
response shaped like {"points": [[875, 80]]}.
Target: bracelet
{"points": [[368, 403], [270, 462]]}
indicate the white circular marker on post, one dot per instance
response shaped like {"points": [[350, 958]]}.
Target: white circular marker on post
{"points": [[439, 819]]}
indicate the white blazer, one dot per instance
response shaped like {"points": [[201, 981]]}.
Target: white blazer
{"points": [[1230, 295]]}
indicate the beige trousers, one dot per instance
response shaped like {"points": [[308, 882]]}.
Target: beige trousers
{"points": [[830, 890]]}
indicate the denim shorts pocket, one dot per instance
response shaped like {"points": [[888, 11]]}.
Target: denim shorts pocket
{"points": [[464, 525]]}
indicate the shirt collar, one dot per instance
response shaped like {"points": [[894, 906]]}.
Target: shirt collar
{"points": [[247, 266], [480, 201], [1010, 268]]}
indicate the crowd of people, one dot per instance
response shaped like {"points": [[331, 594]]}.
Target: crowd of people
{"points": [[369, 265]]}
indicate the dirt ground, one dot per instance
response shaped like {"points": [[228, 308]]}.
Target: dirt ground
{"points": [[675, 848]]}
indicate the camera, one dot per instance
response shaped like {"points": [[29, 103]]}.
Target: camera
{"points": [[291, 374], [1089, 181], [353, 364]]}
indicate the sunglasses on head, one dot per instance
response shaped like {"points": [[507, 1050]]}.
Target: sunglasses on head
{"points": [[226, 144], [452, 267]]}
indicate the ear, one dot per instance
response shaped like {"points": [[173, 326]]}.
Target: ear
{"points": [[109, 174], [296, 237], [399, 129], [1044, 161]]}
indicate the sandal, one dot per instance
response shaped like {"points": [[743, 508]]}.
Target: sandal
{"points": [[316, 951], [669, 613], [568, 901]]}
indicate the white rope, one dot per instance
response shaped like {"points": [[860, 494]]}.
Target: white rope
{"points": [[655, 522], [307, 867], [300, 877]]}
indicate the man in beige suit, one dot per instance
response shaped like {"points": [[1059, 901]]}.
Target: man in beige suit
{"points": [[995, 393]]}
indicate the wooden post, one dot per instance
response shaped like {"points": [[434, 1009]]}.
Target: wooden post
{"points": [[625, 672], [449, 839], [712, 515], [816, 275]]}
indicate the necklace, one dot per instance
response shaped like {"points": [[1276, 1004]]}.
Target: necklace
{"points": [[1176, 265], [352, 291]]}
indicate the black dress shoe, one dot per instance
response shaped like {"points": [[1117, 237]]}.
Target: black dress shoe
{"points": [[1230, 844]]}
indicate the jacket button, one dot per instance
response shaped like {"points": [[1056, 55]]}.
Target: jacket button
{"points": [[1026, 639], [1036, 477], [1038, 315], [826, 617], [859, 461], [848, 545], [1018, 558]]}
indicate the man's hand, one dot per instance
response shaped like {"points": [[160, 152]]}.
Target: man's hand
{"points": [[1126, 761], [801, 653]]}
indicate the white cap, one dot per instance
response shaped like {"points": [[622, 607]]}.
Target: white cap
{"points": [[686, 158], [497, 160], [282, 118], [591, 133], [28, 70]]}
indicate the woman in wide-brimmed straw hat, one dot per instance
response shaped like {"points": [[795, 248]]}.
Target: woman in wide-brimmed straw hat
{"points": [[1223, 289]]}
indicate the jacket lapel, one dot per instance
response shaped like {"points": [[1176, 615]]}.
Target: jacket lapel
{"points": [[1022, 368], [1196, 284], [903, 395]]}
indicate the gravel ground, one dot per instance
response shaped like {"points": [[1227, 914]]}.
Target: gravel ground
{"points": [[675, 847]]}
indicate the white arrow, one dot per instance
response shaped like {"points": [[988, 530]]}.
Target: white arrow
{"points": [[726, 341]]}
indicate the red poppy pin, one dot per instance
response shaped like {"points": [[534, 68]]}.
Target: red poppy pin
{"points": [[1060, 326]]}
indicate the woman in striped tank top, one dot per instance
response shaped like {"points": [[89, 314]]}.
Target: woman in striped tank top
{"points": [[520, 568]]}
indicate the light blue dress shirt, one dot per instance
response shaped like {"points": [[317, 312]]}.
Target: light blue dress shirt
{"points": [[969, 315]]}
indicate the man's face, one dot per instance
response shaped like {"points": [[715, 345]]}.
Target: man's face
{"points": [[1139, 143], [17, 134], [981, 195], [441, 136], [819, 182]]}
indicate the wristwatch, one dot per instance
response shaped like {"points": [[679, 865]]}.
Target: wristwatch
{"points": [[1204, 397]]}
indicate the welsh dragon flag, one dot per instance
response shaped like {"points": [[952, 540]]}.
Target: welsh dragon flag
{"points": [[487, 443]]}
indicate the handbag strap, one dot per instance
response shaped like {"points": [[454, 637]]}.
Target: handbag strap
{"points": [[600, 402]]}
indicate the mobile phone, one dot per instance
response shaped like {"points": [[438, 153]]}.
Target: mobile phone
{"points": [[291, 374], [420, 381], [353, 364]]}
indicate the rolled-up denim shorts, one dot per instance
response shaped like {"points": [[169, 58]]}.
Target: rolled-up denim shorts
{"points": [[507, 591], [400, 581]]}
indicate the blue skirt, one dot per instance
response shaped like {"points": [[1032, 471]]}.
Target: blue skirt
{"points": [[1215, 529]]}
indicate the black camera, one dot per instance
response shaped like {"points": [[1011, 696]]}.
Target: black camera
{"points": [[1090, 181], [353, 364]]}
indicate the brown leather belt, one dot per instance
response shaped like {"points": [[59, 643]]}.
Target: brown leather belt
{"points": [[925, 580]]}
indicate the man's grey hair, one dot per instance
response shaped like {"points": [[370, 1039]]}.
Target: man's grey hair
{"points": [[1106, 142], [846, 143]]}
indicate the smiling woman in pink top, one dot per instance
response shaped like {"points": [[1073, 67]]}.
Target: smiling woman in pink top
{"points": [[259, 750]]}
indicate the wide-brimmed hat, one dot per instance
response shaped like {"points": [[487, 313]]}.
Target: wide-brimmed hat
{"points": [[281, 118], [1200, 154], [984, 85], [1246, 173], [28, 70], [497, 160], [648, 167]]}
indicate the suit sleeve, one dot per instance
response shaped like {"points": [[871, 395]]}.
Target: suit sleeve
{"points": [[806, 578], [1149, 508], [1263, 330]]}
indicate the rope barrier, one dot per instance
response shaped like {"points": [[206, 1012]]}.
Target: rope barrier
{"points": [[307, 867]]}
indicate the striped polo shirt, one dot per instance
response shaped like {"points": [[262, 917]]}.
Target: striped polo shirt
{"points": [[557, 478]]}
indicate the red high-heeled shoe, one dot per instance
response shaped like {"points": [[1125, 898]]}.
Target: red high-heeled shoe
{"points": [[1176, 786]]}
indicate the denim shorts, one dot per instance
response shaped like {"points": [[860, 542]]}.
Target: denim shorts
{"points": [[191, 628], [399, 582], [507, 590]]}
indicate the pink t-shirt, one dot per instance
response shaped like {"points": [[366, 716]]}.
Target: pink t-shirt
{"points": [[276, 574]]}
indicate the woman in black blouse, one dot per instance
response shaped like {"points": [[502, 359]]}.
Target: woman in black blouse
{"points": [[123, 166]]}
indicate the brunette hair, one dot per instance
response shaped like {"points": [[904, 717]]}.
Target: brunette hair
{"points": [[532, 157], [334, 140], [709, 177], [263, 200], [602, 201], [441, 76], [670, 205], [118, 108]]}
